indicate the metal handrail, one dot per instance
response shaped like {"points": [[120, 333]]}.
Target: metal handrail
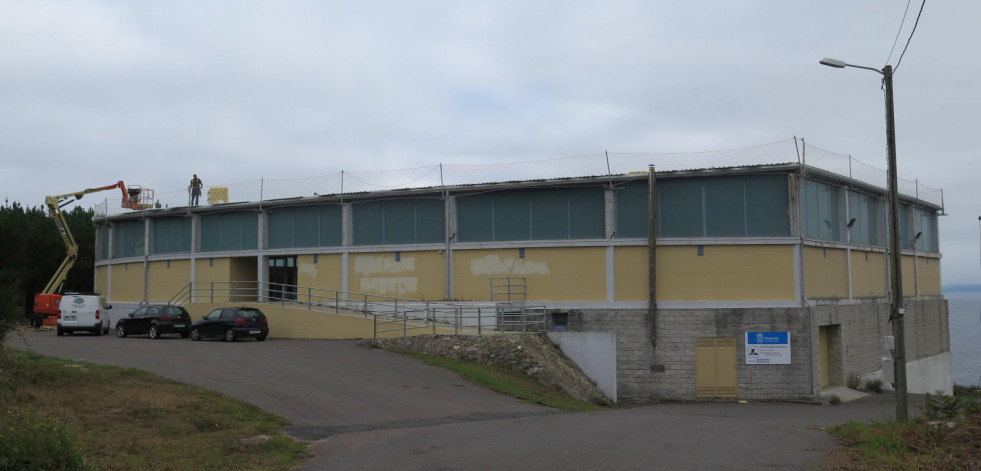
{"points": [[389, 314]]}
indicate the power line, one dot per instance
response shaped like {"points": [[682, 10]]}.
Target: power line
{"points": [[917, 22], [900, 31]]}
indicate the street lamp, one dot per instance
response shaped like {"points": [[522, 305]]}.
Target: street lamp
{"points": [[895, 261]]}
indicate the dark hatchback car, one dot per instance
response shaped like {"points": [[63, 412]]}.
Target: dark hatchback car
{"points": [[231, 323], [155, 321]]}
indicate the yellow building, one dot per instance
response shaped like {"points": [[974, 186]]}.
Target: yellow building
{"points": [[775, 248]]}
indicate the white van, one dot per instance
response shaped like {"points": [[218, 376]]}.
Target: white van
{"points": [[86, 312]]}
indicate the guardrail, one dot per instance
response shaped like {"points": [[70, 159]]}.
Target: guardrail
{"points": [[389, 314]]}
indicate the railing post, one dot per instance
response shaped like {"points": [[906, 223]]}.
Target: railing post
{"points": [[397, 308], [365, 310], [456, 321], [524, 319], [212, 291], [374, 335], [337, 302], [479, 321], [405, 323], [309, 298], [434, 317]]}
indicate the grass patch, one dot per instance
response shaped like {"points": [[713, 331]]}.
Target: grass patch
{"points": [[121, 419], [918, 444], [506, 381]]}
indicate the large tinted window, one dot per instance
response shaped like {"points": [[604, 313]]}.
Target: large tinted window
{"points": [[408, 221], [305, 226], [102, 237], [927, 229], [819, 203], [538, 214], [730, 206], [129, 240], [866, 211], [171, 235], [229, 231]]}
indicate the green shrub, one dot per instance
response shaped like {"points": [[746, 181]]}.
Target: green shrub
{"points": [[32, 441], [834, 400], [874, 385], [940, 406], [853, 381]]}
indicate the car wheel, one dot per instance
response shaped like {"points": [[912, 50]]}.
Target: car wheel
{"points": [[105, 330], [184, 334], [120, 330], [97, 331], [261, 338], [153, 332], [60, 332], [195, 335], [229, 335]]}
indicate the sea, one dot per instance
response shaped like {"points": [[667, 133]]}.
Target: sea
{"points": [[965, 336]]}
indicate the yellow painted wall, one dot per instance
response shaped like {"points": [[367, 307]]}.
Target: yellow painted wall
{"points": [[909, 276], [166, 282], [222, 271], [102, 281], [227, 269], [552, 274], [417, 275], [127, 282], [293, 323], [326, 273], [212, 269], [244, 269], [825, 273], [725, 273], [929, 273], [868, 274], [630, 273]]}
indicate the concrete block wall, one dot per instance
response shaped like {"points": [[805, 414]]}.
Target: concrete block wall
{"points": [[634, 352], [864, 328], [644, 375], [680, 328], [861, 345]]}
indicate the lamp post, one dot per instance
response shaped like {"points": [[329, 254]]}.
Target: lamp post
{"points": [[895, 261]]}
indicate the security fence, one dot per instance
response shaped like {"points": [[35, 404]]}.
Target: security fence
{"points": [[790, 151]]}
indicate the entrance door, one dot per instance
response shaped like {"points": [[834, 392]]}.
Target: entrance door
{"points": [[282, 278], [829, 355]]}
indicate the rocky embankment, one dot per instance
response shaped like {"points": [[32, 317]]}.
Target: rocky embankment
{"points": [[532, 354]]}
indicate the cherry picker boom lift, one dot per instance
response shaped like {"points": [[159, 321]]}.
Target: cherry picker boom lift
{"points": [[47, 303]]}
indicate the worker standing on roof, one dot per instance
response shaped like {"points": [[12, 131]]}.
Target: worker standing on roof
{"points": [[195, 190]]}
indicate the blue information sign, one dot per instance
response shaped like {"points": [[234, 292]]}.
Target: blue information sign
{"points": [[767, 348]]}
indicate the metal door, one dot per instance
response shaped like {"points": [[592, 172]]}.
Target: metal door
{"points": [[282, 278], [715, 368]]}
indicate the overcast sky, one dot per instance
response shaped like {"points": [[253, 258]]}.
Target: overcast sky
{"points": [[148, 92]]}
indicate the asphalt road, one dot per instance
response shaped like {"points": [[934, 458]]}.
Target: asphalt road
{"points": [[370, 409]]}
